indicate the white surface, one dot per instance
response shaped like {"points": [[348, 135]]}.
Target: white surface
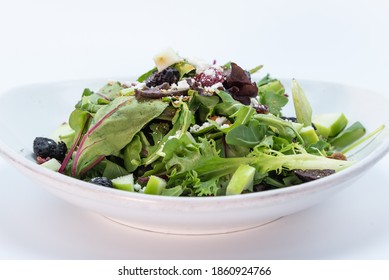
{"points": [[341, 41]]}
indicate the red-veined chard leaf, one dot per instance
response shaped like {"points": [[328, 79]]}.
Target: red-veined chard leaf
{"points": [[112, 128]]}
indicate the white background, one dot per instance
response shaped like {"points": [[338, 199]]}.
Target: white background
{"points": [[338, 41]]}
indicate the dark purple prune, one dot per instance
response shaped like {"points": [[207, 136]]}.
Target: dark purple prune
{"points": [[169, 75], [312, 174]]}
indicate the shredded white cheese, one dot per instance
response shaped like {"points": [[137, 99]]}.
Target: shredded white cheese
{"points": [[197, 128], [181, 85], [200, 65], [254, 101], [220, 120], [137, 187]]}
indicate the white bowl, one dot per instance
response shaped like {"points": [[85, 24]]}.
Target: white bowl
{"points": [[36, 110]]}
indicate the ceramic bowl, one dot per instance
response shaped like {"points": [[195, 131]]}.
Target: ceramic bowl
{"points": [[36, 110]]}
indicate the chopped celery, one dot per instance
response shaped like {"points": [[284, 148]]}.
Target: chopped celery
{"points": [[155, 185], [330, 124], [309, 135], [241, 180], [124, 182]]}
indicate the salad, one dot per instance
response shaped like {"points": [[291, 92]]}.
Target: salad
{"points": [[191, 128]]}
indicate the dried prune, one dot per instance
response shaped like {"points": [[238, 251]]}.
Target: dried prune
{"points": [[169, 75]]}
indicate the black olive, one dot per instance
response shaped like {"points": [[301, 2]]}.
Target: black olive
{"points": [[48, 148], [102, 181]]}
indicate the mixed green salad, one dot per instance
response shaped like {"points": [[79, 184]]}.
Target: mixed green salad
{"points": [[191, 128]]}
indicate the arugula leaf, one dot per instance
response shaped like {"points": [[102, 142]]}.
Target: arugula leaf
{"points": [[272, 94]]}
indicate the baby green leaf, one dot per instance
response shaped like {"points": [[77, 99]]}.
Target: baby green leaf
{"points": [[144, 76], [113, 127], [131, 154], [348, 136], [246, 135]]}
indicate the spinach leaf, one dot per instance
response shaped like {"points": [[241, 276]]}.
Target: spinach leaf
{"points": [[203, 105], [242, 116], [228, 106], [105, 168], [113, 170], [181, 122], [246, 135], [131, 154], [227, 150]]}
